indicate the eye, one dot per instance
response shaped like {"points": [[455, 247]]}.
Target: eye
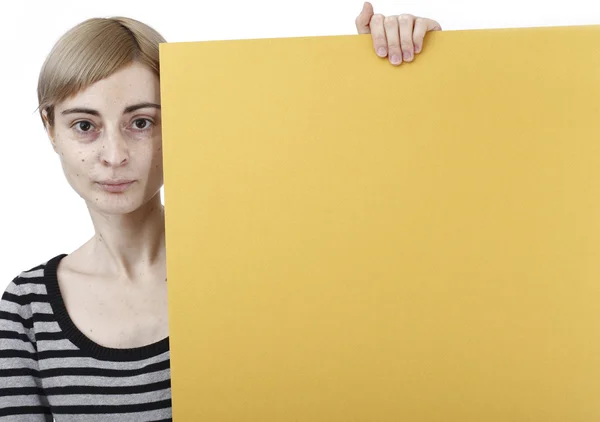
{"points": [[83, 126], [142, 124]]}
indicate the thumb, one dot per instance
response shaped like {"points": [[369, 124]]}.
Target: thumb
{"points": [[364, 19]]}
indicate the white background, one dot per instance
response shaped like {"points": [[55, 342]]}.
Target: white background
{"points": [[41, 216]]}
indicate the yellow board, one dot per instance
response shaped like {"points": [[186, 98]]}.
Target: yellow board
{"points": [[350, 241]]}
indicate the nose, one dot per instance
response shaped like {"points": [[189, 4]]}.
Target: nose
{"points": [[114, 151]]}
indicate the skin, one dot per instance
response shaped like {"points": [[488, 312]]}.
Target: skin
{"points": [[397, 37], [114, 285]]}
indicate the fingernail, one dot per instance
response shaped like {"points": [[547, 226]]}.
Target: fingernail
{"points": [[417, 48], [381, 51], [395, 59], [407, 56]]}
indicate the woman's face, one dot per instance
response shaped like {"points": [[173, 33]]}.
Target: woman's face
{"points": [[111, 133]]}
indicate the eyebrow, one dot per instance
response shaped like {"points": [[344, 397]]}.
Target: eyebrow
{"points": [[128, 109]]}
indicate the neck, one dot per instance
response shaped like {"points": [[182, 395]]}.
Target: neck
{"points": [[131, 244]]}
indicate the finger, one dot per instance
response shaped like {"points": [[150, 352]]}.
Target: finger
{"points": [[422, 26], [390, 24], [378, 35], [405, 23], [363, 20]]}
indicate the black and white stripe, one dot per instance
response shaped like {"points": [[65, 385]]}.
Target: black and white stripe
{"points": [[50, 370]]}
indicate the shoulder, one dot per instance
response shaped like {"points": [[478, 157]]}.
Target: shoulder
{"points": [[32, 282], [26, 298]]}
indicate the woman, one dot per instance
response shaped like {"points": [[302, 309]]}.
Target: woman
{"points": [[84, 336]]}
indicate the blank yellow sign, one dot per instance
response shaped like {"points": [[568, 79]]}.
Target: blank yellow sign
{"points": [[352, 241]]}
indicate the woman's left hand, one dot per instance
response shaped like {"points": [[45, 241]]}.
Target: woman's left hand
{"points": [[398, 37]]}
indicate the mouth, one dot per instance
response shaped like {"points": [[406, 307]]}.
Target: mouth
{"points": [[116, 186]]}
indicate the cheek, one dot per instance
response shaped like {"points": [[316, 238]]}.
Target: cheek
{"points": [[75, 164], [157, 157]]}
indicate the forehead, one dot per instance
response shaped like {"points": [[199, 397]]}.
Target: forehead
{"points": [[133, 84]]}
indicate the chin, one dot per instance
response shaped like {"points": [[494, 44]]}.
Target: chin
{"points": [[115, 207], [116, 203]]}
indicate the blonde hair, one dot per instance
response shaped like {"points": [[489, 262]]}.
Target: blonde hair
{"points": [[92, 51]]}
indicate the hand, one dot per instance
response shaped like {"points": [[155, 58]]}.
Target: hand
{"points": [[397, 37]]}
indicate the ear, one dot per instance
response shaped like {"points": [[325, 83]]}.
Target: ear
{"points": [[49, 128]]}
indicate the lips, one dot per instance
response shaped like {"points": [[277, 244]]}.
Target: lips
{"points": [[115, 186], [116, 182]]}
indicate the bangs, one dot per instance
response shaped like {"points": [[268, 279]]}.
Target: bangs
{"points": [[88, 53]]}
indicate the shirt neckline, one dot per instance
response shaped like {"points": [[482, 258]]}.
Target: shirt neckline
{"points": [[79, 339]]}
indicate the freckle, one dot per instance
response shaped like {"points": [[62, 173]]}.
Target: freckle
{"points": [[83, 160]]}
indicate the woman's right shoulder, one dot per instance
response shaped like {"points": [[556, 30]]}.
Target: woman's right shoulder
{"points": [[33, 280], [28, 294]]}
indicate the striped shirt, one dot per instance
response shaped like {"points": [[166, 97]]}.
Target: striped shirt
{"points": [[51, 370]]}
